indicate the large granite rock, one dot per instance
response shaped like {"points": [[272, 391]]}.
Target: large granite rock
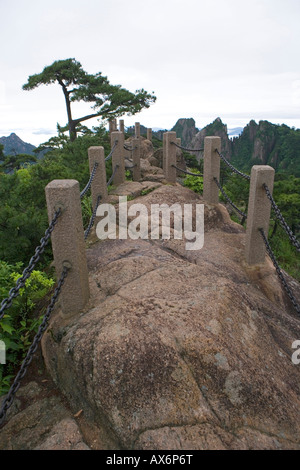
{"points": [[181, 349], [40, 419], [146, 147]]}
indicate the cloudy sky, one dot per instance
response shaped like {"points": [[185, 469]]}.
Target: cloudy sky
{"points": [[202, 58]]}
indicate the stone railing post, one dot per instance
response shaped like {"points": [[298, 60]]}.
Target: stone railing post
{"points": [[149, 134], [118, 158], [211, 169], [121, 125], [169, 156], [137, 130], [68, 243], [136, 159], [258, 216], [112, 125], [99, 186]]}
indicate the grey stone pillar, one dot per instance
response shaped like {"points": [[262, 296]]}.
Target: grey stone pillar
{"points": [[121, 125], [68, 243], [211, 169], [169, 156], [149, 134], [118, 157], [137, 130], [136, 159], [99, 186], [112, 125], [258, 216]]}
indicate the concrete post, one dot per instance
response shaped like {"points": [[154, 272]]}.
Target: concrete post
{"points": [[111, 126], [99, 186], [149, 134], [211, 169], [136, 159], [169, 156], [258, 216], [137, 130], [121, 125], [118, 157], [68, 243]]}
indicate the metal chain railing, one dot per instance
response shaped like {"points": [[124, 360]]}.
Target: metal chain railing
{"points": [[14, 292], [112, 176], [112, 150], [280, 217], [85, 190], [235, 170], [130, 149], [29, 356], [92, 219], [187, 149], [186, 171], [279, 272], [229, 200]]}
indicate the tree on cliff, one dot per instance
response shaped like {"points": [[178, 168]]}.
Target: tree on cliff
{"points": [[109, 101]]}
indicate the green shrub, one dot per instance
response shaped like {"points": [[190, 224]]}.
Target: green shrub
{"points": [[20, 321], [195, 183]]}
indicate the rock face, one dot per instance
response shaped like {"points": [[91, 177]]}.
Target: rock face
{"points": [[180, 349], [186, 130], [13, 145], [262, 137], [217, 128], [146, 147], [39, 419]]}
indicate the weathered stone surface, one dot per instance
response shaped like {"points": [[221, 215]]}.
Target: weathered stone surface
{"points": [[132, 188], [64, 436], [146, 147], [148, 169], [39, 420], [181, 349]]}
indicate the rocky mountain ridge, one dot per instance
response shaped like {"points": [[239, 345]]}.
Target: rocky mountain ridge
{"points": [[258, 143], [13, 145]]}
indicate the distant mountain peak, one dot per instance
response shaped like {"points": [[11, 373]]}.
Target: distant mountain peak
{"points": [[14, 145]]}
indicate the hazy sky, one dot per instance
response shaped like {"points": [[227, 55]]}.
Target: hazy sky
{"points": [[202, 58]]}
